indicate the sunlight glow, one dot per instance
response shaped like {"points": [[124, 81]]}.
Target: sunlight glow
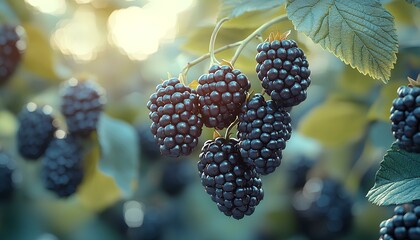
{"points": [[55, 7], [79, 36]]}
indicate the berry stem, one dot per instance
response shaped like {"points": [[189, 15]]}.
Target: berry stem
{"points": [[256, 33], [206, 56], [227, 133], [216, 30]]}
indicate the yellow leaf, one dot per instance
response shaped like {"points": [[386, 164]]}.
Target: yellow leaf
{"points": [[38, 57], [336, 122]]}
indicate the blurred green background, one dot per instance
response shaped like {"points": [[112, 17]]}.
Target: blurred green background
{"points": [[128, 47]]}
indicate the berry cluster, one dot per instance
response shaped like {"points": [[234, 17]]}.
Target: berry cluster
{"points": [[405, 117], [7, 167], [405, 224], [12, 46], [230, 168]]}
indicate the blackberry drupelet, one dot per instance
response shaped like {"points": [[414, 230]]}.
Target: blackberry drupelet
{"points": [[263, 131], [221, 94], [405, 117], [177, 174], [175, 114], [7, 167], [62, 170], [36, 129], [149, 148], [283, 69], [82, 103], [323, 209], [234, 186], [12, 46], [405, 224]]}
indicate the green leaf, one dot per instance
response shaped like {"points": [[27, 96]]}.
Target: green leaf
{"points": [[235, 8], [336, 122], [398, 178], [414, 2], [361, 33], [119, 152]]}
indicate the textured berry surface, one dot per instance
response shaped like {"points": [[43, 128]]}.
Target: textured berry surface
{"points": [[175, 116], [62, 169], [323, 209], [405, 117], [148, 146], [82, 103], [36, 129], [177, 174], [233, 185], [283, 69], [263, 131], [7, 167], [221, 94], [404, 224], [12, 47]]}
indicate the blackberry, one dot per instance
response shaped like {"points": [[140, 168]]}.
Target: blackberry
{"points": [[62, 170], [404, 224], [175, 115], [283, 69], [221, 94], [12, 46], [323, 209], [7, 167], [263, 131], [36, 129], [82, 104], [234, 186], [298, 171], [148, 145], [405, 117], [176, 175]]}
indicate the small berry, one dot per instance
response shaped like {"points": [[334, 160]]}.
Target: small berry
{"points": [[221, 94], [7, 167], [175, 115], [149, 148], [62, 169], [283, 70], [233, 185], [36, 129], [12, 46], [82, 104], [403, 225], [405, 117], [263, 131]]}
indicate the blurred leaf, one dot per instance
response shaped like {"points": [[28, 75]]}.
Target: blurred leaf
{"points": [[119, 152], [254, 19], [20, 9], [97, 191], [398, 178], [7, 14], [8, 123], [354, 83], [235, 8], [361, 33], [414, 2], [38, 57], [380, 109], [402, 12], [335, 122]]}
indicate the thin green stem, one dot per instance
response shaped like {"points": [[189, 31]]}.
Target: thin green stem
{"points": [[227, 133], [256, 33], [216, 30], [206, 56]]}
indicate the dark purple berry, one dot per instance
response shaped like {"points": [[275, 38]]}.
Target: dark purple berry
{"points": [[12, 47]]}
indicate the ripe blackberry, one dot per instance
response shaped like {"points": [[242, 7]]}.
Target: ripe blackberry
{"points": [[12, 47], [263, 131], [323, 209], [405, 224], [234, 186], [283, 69], [175, 115], [7, 167], [36, 129], [62, 169], [405, 117], [176, 175], [221, 94], [148, 146], [82, 104]]}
